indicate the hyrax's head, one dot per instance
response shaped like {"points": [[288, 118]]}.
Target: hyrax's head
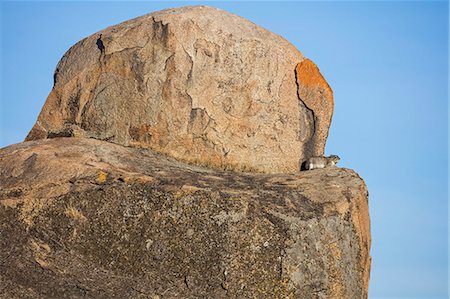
{"points": [[334, 158]]}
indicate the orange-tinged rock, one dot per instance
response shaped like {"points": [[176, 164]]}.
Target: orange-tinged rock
{"points": [[317, 95]]}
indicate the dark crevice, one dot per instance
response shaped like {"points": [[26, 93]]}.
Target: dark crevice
{"points": [[189, 79], [195, 112], [74, 105], [67, 132], [100, 44], [107, 138], [186, 282], [93, 94], [163, 30], [166, 63], [190, 99], [55, 76], [191, 62], [308, 149]]}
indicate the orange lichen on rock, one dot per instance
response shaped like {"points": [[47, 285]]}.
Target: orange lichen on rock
{"points": [[314, 91], [102, 177], [309, 75]]}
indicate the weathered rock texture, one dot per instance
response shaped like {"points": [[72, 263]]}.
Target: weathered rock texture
{"points": [[87, 218], [195, 83], [82, 218]]}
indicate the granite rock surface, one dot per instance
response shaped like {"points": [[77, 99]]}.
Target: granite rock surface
{"points": [[165, 164], [83, 218], [195, 83]]}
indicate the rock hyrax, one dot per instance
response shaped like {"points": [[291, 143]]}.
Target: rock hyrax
{"points": [[321, 162]]}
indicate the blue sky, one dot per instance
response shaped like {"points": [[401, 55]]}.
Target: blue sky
{"points": [[387, 63]]}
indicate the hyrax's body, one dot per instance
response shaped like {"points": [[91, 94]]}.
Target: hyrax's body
{"points": [[321, 162]]}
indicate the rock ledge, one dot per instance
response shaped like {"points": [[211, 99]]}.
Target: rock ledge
{"points": [[83, 218]]}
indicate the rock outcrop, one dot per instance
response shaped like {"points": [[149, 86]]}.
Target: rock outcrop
{"points": [[83, 218], [119, 213], [196, 83]]}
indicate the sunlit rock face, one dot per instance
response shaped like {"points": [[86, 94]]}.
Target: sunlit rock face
{"points": [[195, 83], [83, 218], [165, 164]]}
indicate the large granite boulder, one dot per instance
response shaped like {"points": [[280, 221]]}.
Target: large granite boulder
{"points": [[117, 213], [83, 218], [195, 83]]}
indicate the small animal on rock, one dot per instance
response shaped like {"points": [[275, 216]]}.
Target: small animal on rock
{"points": [[321, 162]]}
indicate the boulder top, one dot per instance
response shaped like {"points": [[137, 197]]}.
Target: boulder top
{"points": [[195, 83]]}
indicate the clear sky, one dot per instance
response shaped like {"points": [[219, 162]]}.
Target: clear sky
{"points": [[387, 63]]}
